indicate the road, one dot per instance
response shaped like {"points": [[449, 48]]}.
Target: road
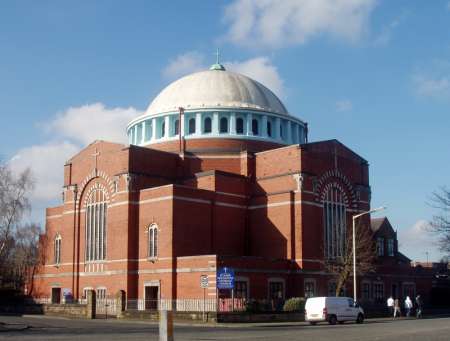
{"points": [[46, 328]]}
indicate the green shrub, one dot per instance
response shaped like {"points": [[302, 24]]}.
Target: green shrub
{"points": [[294, 304]]}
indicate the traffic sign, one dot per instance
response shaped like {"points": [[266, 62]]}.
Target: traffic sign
{"points": [[203, 281], [225, 278]]}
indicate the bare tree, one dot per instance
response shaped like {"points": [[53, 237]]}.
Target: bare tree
{"points": [[18, 242], [342, 267], [441, 221]]}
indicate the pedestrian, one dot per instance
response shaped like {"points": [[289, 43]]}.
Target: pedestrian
{"points": [[390, 305], [408, 306], [397, 308], [418, 306]]}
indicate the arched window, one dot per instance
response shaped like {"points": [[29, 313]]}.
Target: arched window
{"points": [[153, 241], [191, 126], [239, 126], [269, 129], [163, 128], [281, 131], [255, 127], [335, 221], [224, 125], [207, 125], [96, 210], [176, 127], [57, 249]]}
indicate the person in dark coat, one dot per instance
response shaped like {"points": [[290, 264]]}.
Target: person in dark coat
{"points": [[419, 306]]}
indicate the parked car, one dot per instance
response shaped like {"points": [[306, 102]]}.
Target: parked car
{"points": [[332, 310]]}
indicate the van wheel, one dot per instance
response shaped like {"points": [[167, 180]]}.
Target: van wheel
{"points": [[360, 318], [312, 323], [332, 319], [341, 322]]}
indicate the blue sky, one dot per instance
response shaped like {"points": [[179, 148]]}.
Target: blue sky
{"points": [[373, 74]]}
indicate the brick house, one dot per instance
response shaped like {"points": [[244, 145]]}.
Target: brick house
{"points": [[217, 174]]}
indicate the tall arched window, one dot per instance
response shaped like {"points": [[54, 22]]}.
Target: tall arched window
{"points": [[207, 125], [239, 125], [176, 127], [335, 222], [224, 125], [96, 210], [281, 131], [191, 126], [269, 129], [255, 127], [57, 249], [153, 241]]}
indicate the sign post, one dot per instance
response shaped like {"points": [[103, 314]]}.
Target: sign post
{"points": [[225, 280], [204, 284]]}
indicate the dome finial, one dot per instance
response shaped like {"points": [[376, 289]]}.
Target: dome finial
{"points": [[217, 66], [217, 56]]}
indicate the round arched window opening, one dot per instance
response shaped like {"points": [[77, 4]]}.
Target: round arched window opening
{"points": [[224, 125], [207, 125]]}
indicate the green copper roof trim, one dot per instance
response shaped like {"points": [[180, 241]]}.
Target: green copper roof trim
{"points": [[217, 67]]}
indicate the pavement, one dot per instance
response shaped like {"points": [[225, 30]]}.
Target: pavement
{"points": [[38, 327]]}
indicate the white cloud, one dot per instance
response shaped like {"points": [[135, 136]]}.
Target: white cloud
{"points": [[274, 23], [416, 240], [184, 64], [448, 6], [262, 70], [428, 86], [70, 131], [344, 105], [433, 79], [92, 122], [47, 164], [385, 36]]}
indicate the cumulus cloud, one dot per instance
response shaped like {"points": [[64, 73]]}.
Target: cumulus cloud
{"points": [[70, 131], [259, 68], [274, 24], [344, 105], [184, 64], [46, 162], [416, 240], [262, 70], [93, 122]]}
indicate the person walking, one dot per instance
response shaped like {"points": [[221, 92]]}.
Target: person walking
{"points": [[408, 306], [418, 306], [390, 305], [397, 308]]}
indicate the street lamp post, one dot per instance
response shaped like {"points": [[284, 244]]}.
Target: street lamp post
{"points": [[356, 216]]}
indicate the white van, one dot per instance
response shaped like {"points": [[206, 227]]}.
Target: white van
{"points": [[332, 310]]}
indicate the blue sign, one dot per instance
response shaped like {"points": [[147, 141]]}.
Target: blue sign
{"points": [[225, 278]]}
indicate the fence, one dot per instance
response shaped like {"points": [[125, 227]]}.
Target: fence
{"points": [[207, 305], [108, 306], [194, 305]]}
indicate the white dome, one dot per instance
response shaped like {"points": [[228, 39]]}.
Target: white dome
{"points": [[216, 88]]}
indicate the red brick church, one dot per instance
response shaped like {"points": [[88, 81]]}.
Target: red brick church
{"points": [[217, 174]]}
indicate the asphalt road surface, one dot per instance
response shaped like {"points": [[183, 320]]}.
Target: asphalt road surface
{"points": [[46, 328]]}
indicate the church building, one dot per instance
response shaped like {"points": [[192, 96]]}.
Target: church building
{"points": [[217, 174]]}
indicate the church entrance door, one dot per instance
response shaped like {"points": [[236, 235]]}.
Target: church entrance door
{"points": [[151, 297], [56, 295]]}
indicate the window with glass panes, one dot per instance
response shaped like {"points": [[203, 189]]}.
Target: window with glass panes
{"points": [[95, 240], [310, 289], [240, 289], [275, 290]]}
